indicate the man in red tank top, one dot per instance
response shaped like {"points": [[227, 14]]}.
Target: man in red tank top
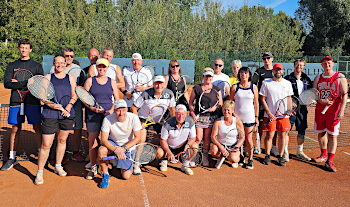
{"points": [[331, 85]]}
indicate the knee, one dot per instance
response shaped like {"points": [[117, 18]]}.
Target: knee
{"points": [[159, 153], [126, 174], [102, 152]]}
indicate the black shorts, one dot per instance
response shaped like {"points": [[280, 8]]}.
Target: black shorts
{"points": [[177, 150], [157, 127], [51, 126], [300, 120]]}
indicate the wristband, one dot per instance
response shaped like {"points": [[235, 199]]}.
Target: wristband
{"points": [[71, 104], [124, 92], [192, 112], [256, 116]]}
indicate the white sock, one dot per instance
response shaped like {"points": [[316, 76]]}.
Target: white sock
{"points": [[186, 163], [58, 166], [39, 172], [12, 154], [300, 148], [286, 149]]}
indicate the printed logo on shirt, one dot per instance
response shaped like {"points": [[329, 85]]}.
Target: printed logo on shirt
{"points": [[187, 124], [166, 95]]}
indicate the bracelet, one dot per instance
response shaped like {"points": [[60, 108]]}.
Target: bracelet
{"points": [[192, 112], [256, 117], [71, 104]]}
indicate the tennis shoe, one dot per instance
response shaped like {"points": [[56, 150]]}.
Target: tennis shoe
{"points": [[105, 181], [330, 166], [257, 151], [65, 159], [78, 157], [250, 164], [92, 173], [241, 160], [234, 165], [302, 156], [281, 161], [321, 158], [163, 165], [187, 170], [137, 170], [60, 171], [88, 166], [9, 164], [39, 179], [274, 151], [217, 163], [267, 160], [286, 157]]}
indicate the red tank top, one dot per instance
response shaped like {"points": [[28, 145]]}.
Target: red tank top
{"points": [[329, 88]]}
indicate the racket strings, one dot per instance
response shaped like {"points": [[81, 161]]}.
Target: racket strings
{"points": [[142, 78], [85, 96], [23, 75], [191, 155], [157, 113], [41, 88], [145, 153], [309, 96]]}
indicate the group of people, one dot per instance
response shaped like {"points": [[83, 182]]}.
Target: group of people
{"points": [[118, 124]]}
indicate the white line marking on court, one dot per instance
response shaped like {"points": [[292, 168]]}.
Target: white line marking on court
{"points": [[143, 190], [346, 153], [5, 95]]}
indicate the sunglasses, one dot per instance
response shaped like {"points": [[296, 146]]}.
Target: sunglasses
{"points": [[173, 66], [267, 58], [71, 56], [218, 65]]}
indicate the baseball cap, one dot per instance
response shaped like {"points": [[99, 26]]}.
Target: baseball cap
{"points": [[180, 106], [278, 65], [159, 78], [268, 54], [136, 56], [208, 73], [102, 61], [327, 58], [120, 103]]}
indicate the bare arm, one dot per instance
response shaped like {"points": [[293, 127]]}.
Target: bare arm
{"points": [[344, 100], [121, 83], [91, 72], [256, 104], [233, 92]]}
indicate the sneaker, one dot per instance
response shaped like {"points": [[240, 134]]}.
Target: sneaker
{"points": [[234, 165], [187, 170], [205, 160], [217, 163], [137, 170], [330, 166], [192, 164], [92, 173], [105, 181], [257, 151], [163, 165], [39, 179], [78, 157], [267, 160], [274, 151], [250, 164], [241, 160], [60, 171], [286, 157], [88, 166], [302, 156], [9, 164], [65, 159], [281, 161], [321, 158]]}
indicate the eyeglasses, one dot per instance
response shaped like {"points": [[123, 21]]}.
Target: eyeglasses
{"points": [[267, 58], [71, 56], [218, 65], [173, 66], [59, 63]]}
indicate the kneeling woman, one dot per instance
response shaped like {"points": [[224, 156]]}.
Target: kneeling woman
{"points": [[218, 135]]}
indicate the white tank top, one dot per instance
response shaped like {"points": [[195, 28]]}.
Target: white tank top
{"points": [[224, 129], [244, 104]]}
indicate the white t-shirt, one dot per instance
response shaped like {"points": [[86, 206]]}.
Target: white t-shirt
{"points": [[222, 77], [300, 86], [275, 91], [130, 79], [121, 132], [111, 72], [224, 129]]}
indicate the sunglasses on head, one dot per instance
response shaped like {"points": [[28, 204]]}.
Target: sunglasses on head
{"points": [[218, 65], [71, 56], [266, 58], [173, 66]]}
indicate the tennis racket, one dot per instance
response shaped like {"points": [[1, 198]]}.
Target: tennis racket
{"points": [[181, 86], [142, 154], [258, 144], [286, 106], [42, 88], [192, 155], [21, 76], [156, 115], [86, 97], [309, 97], [223, 85], [145, 75], [230, 143], [331, 94], [78, 74], [205, 100]]}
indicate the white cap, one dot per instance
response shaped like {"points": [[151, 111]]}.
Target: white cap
{"points": [[159, 78], [136, 56], [208, 73], [180, 106], [120, 103]]}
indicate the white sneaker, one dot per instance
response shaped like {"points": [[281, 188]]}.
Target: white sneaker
{"points": [[88, 166], [274, 150], [163, 165], [217, 163], [286, 157], [302, 156], [92, 173], [235, 165], [137, 169], [257, 151], [187, 170], [60, 171], [39, 179]]}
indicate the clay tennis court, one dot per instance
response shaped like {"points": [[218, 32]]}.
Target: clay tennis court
{"points": [[299, 183]]}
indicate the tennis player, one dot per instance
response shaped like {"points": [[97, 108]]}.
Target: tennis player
{"points": [[119, 132], [235, 65], [218, 65], [130, 79], [205, 121], [178, 134], [221, 127], [54, 121], [32, 108], [271, 92], [300, 82], [327, 125], [102, 88], [174, 73], [245, 94]]}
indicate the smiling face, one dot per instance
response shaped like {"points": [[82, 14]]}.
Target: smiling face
{"points": [[93, 56], [327, 65], [59, 63], [121, 113], [218, 65], [107, 54], [180, 116]]}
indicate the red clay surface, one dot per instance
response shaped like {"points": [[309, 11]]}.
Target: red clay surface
{"points": [[4, 94]]}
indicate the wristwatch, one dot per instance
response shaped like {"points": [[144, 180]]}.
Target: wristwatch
{"points": [[126, 148]]}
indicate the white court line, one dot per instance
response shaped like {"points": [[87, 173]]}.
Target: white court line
{"points": [[346, 153], [5, 95], [143, 190]]}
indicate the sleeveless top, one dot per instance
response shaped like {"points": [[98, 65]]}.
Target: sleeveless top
{"points": [[212, 96], [103, 96], [328, 86], [224, 129], [180, 87], [63, 95], [244, 104]]}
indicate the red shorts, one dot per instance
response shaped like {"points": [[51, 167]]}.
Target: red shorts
{"points": [[327, 123], [281, 124]]}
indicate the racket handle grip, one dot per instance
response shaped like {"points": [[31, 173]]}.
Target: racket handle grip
{"points": [[21, 109], [220, 163], [266, 123], [325, 110], [62, 109], [108, 158]]}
